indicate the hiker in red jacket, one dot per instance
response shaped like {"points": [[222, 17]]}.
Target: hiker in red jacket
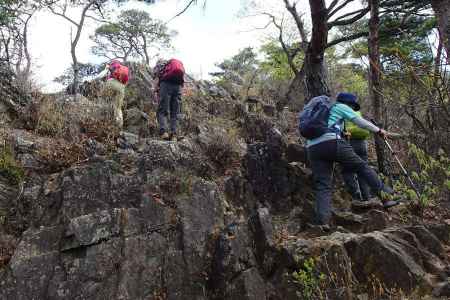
{"points": [[113, 90], [170, 76]]}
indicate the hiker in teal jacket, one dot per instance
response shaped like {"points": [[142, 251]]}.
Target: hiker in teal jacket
{"points": [[330, 147]]}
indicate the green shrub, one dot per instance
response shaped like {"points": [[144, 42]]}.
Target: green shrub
{"points": [[309, 280], [9, 167], [430, 175]]}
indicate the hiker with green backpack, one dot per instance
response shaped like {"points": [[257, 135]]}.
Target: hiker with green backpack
{"points": [[322, 123], [357, 138]]}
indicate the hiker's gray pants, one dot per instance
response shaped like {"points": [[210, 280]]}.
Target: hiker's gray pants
{"points": [[356, 185], [169, 105], [322, 158]]}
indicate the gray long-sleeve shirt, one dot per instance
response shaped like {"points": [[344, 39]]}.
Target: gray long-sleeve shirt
{"points": [[363, 123]]}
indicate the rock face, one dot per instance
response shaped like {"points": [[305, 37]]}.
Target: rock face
{"points": [[148, 219], [100, 233], [147, 226], [13, 97]]}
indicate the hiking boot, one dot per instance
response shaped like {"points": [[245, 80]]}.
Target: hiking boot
{"points": [[362, 206], [165, 136], [318, 227], [386, 194], [172, 136], [387, 197], [390, 203]]}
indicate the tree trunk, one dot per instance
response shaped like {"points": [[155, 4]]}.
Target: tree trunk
{"points": [[295, 94], [73, 46], [315, 76], [375, 78], [146, 56], [310, 81], [76, 69], [313, 67], [25, 48], [442, 10]]}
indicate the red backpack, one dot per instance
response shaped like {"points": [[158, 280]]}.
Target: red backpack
{"points": [[120, 73], [173, 71]]}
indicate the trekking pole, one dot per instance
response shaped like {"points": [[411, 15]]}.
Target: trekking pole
{"points": [[405, 172]]}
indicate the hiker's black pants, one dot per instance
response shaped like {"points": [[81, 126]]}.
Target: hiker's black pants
{"points": [[356, 185], [322, 158], [169, 101]]}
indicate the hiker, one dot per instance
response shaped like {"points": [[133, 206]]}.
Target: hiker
{"points": [[321, 122], [357, 138], [113, 91], [170, 80]]}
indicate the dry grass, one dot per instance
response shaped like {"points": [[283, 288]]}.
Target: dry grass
{"points": [[223, 149], [60, 155], [51, 120], [72, 119]]}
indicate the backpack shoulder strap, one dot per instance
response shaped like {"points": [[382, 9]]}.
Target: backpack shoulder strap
{"points": [[339, 121]]}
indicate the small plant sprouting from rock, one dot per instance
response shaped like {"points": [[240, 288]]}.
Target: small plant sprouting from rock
{"points": [[170, 184], [309, 280], [185, 184], [9, 167]]}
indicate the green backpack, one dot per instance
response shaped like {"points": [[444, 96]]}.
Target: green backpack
{"points": [[356, 132]]}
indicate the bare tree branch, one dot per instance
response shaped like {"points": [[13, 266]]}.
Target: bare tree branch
{"points": [[348, 38], [62, 14], [348, 14], [100, 20], [341, 21], [338, 8], [332, 5], [290, 56], [190, 3], [298, 21]]}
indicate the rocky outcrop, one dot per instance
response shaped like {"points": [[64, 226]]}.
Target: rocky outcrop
{"points": [[13, 97], [224, 213], [136, 121], [100, 231], [409, 259], [274, 180]]}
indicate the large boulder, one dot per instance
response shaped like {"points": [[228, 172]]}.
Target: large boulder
{"points": [[275, 182], [138, 122], [140, 91], [98, 233]]}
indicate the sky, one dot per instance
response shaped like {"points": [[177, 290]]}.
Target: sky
{"points": [[206, 35]]}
